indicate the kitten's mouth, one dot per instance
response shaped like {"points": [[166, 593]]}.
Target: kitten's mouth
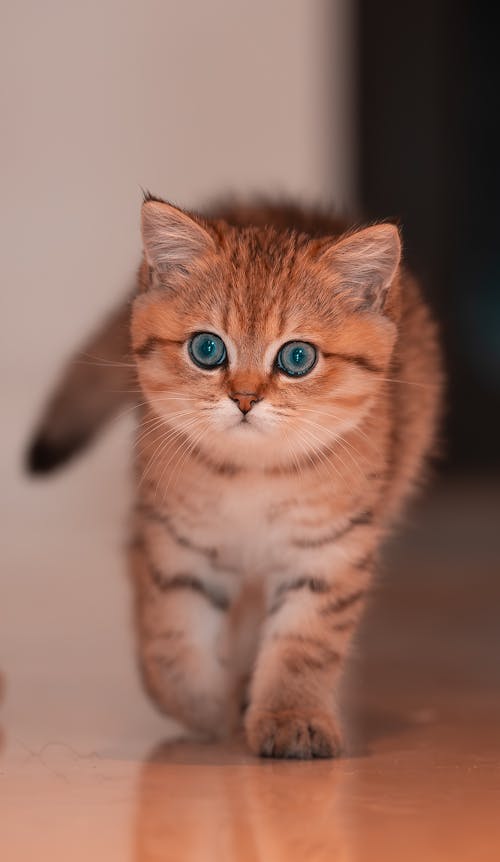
{"points": [[244, 421]]}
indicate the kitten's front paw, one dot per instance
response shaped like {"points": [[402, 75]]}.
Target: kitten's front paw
{"points": [[291, 733]]}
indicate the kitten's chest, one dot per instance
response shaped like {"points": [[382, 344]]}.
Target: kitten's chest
{"points": [[248, 522]]}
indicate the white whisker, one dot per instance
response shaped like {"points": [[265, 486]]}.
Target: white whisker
{"points": [[163, 445], [184, 441], [357, 430], [102, 361], [156, 422], [340, 441], [322, 453], [436, 386], [191, 444], [292, 454]]}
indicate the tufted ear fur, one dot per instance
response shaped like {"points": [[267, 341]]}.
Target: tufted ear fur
{"points": [[366, 263], [173, 240]]}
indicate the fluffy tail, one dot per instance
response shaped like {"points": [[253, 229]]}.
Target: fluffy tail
{"points": [[95, 384]]}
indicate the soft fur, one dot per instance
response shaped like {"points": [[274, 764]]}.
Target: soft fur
{"points": [[256, 536]]}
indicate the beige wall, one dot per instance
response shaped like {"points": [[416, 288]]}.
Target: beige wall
{"points": [[188, 98]]}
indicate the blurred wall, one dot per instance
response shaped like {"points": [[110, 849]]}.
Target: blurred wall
{"points": [[191, 100]]}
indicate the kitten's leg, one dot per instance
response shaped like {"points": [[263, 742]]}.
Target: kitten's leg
{"points": [[305, 638], [181, 624]]}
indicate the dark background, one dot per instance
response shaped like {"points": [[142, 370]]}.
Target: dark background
{"points": [[429, 144]]}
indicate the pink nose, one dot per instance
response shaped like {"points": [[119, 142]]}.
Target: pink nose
{"points": [[245, 400]]}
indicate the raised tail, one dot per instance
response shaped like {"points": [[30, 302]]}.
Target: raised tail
{"points": [[95, 384]]}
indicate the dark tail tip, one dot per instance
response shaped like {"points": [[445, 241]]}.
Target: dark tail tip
{"points": [[43, 455]]}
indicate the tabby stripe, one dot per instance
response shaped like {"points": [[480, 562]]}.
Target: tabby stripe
{"points": [[315, 585], [188, 582], [169, 635], [305, 640], [151, 514], [152, 343], [356, 521], [227, 469], [303, 462], [344, 627], [321, 656], [341, 603], [361, 361], [365, 562], [301, 662]]}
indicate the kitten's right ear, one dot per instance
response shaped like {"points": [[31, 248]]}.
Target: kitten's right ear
{"points": [[365, 262], [172, 239]]}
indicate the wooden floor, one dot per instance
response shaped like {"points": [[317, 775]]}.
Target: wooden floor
{"points": [[88, 771]]}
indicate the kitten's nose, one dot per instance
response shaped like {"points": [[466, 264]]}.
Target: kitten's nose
{"points": [[245, 400]]}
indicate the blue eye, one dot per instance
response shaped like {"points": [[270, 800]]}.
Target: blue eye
{"points": [[296, 358], [207, 350]]}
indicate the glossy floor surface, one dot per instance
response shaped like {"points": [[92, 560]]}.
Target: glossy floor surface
{"points": [[88, 771]]}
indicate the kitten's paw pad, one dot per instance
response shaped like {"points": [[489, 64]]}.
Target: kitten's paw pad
{"points": [[292, 734]]}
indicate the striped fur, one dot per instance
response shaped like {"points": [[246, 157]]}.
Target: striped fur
{"points": [[255, 541]]}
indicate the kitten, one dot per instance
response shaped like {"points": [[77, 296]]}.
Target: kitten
{"points": [[291, 383]]}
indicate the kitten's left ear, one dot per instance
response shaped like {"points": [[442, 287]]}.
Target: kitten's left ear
{"points": [[173, 239], [366, 262]]}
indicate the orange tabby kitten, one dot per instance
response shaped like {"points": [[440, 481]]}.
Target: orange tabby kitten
{"points": [[291, 381]]}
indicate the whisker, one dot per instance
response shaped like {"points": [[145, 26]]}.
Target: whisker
{"points": [[127, 411], [163, 445], [340, 441], [409, 382], [356, 451], [331, 450], [322, 453], [309, 455], [151, 403], [357, 430], [292, 454], [156, 422], [190, 445], [102, 361], [147, 402], [184, 441]]}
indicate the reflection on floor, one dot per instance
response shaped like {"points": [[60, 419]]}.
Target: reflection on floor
{"points": [[89, 772]]}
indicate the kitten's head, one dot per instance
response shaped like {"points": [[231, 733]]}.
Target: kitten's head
{"points": [[262, 346]]}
